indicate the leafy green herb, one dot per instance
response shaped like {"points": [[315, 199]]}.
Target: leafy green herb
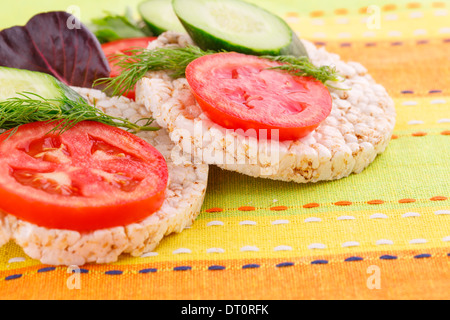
{"points": [[301, 66], [112, 27], [64, 112], [136, 63]]}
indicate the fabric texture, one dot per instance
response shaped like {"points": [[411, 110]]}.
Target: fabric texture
{"points": [[380, 234]]}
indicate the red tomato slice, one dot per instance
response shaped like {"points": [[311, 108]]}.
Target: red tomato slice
{"points": [[92, 176], [120, 46], [238, 91]]}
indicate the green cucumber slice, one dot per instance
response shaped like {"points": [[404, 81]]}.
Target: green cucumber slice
{"points": [[16, 81], [235, 25], [159, 16]]}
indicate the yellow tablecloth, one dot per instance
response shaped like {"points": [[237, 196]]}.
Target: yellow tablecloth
{"points": [[381, 234]]}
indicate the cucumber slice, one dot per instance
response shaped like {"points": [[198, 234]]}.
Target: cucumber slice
{"points": [[235, 25], [159, 16], [15, 81]]}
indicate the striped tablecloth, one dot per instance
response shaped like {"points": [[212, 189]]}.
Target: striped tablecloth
{"points": [[381, 234]]}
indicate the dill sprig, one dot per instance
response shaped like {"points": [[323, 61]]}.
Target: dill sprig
{"points": [[63, 112], [301, 66], [136, 63]]}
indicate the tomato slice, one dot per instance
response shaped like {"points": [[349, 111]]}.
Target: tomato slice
{"points": [[120, 46], [92, 176], [238, 91]]}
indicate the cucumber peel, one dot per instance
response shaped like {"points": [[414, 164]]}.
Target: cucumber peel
{"points": [[235, 25], [15, 81], [159, 16]]}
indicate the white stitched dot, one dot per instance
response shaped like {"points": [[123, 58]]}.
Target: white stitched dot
{"points": [[313, 246], [16, 259], [249, 248], [149, 254], [416, 15], [391, 17], [394, 33], [382, 242], [411, 215], [445, 120], [214, 223], [319, 35], [446, 239], [350, 244], [439, 212], [346, 218], [282, 248], [317, 22], [444, 30], [414, 122], [342, 21], [313, 219], [292, 19], [418, 241], [181, 250], [440, 12], [247, 223], [215, 250], [409, 103], [438, 101], [378, 216], [420, 32], [369, 34], [344, 35], [280, 222], [275, 200]]}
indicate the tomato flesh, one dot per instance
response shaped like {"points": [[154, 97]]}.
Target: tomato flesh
{"points": [[238, 91], [120, 47], [92, 176]]}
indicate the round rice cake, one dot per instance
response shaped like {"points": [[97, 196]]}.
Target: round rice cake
{"points": [[358, 128], [184, 197]]}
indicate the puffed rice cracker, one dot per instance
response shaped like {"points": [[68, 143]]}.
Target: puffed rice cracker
{"points": [[184, 197], [358, 128]]}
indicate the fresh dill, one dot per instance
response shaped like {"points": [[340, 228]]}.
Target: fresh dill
{"points": [[136, 63], [63, 112], [301, 66]]}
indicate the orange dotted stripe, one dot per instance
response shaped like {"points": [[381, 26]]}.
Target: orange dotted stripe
{"points": [[381, 43], [311, 205], [438, 198], [214, 210], [337, 203], [407, 200], [389, 7], [414, 5], [341, 12], [373, 202], [420, 134], [438, 5], [343, 203], [279, 208], [363, 10]]}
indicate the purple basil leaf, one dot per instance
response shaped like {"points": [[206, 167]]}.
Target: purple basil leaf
{"points": [[58, 44]]}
